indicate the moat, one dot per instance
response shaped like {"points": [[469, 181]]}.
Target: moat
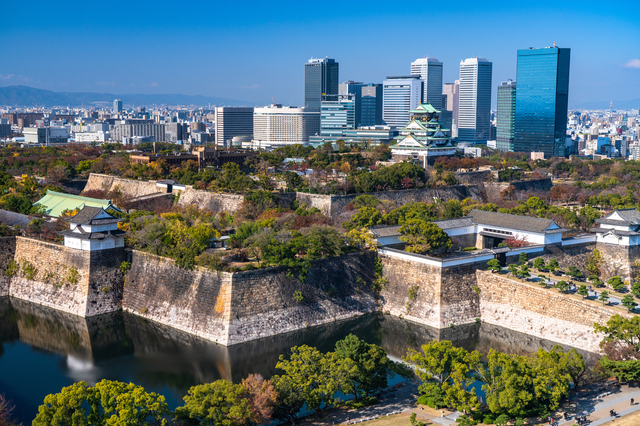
{"points": [[43, 350]]}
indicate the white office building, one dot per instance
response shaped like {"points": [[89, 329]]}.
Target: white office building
{"points": [[275, 125], [430, 72], [474, 108], [400, 95], [90, 137]]}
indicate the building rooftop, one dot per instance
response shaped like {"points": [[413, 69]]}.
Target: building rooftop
{"points": [[520, 223], [621, 217], [92, 216], [55, 203]]}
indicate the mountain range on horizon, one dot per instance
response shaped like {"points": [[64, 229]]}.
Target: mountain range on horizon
{"points": [[19, 96]]}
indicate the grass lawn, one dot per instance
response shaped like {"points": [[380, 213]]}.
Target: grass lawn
{"points": [[630, 420]]}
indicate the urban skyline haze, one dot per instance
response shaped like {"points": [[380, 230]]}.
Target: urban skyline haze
{"points": [[254, 51]]}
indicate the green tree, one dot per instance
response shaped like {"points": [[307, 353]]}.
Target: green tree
{"points": [[616, 283], [494, 265], [109, 403], [220, 403], [574, 272], [538, 263], [513, 269], [524, 271], [635, 289], [621, 347], [583, 291], [553, 265], [423, 237], [562, 286], [604, 297], [629, 303], [523, 258], [310, 377], [594, 263], [367, 217], [445, 373], [373, 367]]}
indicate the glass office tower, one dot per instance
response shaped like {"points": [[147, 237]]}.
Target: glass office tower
{"points": [[542, 100], [320, 78], [370, 105], [505, 116]]}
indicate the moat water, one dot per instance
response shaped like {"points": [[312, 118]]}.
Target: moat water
{"points": [[42, 350]]}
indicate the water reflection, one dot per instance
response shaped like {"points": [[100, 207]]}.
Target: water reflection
{"points": [[58, 349]]}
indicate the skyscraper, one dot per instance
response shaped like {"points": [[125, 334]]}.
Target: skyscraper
{"points": [[452, 91], [117, 106], [370, 105], [430, 72], [401, 94], [337, 114], [320, 78], [353, 88], [505, 117], [474, 110], [542, 100], [233, 121]]}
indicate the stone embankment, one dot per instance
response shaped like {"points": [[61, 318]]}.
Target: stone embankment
{"points": [[230, 308], [61, 278]]}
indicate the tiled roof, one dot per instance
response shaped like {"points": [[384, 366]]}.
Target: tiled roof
{"points": [[12, 218], [56, 202], [521, 223], [92, 235], [454, 223], [87, 216], [630, 216], [385, 231]]}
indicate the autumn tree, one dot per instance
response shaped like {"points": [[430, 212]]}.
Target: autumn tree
{"points": [[262, 396]]}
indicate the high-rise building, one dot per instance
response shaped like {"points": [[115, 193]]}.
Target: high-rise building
{"points": [[430, 72], [338, 113], [275, 125], [505, 116], [452, 91], [370, 106], [231, 122], [542, 100], [320, 78], [117, 106], [353, 88], [401, 94], [474, 109]]}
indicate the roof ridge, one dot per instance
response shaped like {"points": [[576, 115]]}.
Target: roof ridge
{"points": [[78, 197]]}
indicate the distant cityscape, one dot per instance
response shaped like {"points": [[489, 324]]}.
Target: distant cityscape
{"points": [[418, 114]]}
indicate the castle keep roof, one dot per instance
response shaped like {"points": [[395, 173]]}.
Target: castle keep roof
{"points": [[55, 203], [92, 216]]}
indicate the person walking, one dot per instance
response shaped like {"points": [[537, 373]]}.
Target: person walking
{"points": [[631, 401]]}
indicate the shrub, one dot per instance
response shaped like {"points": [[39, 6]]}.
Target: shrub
{"points": [[297, 296], [413, 292], [489, 419], [124, 267], [105, 289], [423, 400], [29, 271], [12, 268], [361, 403], [73, 276], [469, 249]]}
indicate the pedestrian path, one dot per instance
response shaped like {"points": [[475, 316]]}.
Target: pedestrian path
{"points": [[598, 413]]}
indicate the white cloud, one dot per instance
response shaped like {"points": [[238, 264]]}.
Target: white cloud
{"points": [[153, 85], [6, 77], [634, 63]]}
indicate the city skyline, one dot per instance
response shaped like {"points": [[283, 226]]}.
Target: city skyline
{"points": [[128, 52]]}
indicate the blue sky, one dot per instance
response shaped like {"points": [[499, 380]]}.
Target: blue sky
{"points": [[256, 50]]}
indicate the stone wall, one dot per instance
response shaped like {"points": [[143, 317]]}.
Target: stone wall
{"points": [[334, 205], [210, 200], [473, 178], [444, 296], [540, 312], [98, 282], [232, 308], [129, 187], [493, 189], [618, 260]]}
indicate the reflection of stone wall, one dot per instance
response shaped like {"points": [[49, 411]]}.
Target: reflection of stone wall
{"points": [[540, 312], [232, 308]]}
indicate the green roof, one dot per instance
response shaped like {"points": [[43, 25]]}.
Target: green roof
{"points": [[56, 202], [425, 108]]}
